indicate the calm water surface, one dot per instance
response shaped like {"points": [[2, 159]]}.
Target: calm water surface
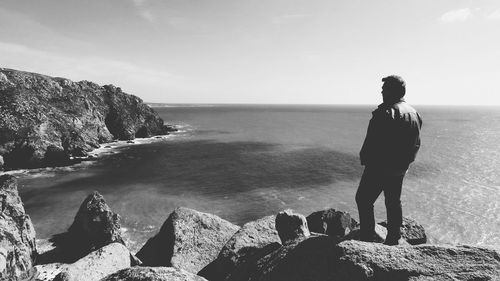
{"points": [[245, 162]]}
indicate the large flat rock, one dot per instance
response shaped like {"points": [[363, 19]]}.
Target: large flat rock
{"points": [[371, 261], [322, 259]]}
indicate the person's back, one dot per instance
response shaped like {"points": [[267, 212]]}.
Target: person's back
{"points": [[393, 137], [391, 144]]}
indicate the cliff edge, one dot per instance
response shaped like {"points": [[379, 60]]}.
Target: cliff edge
{"points": [[44, 121]]}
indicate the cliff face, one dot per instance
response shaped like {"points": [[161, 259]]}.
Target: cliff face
{"points": [[46, 120], [17, 235]]}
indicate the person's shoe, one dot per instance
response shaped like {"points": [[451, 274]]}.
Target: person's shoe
{"points": [[394, 241], [374, 238]]}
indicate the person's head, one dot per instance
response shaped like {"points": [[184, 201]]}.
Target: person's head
{"points": [[394, 88]]}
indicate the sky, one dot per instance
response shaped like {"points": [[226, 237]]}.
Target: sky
{"points": [[262, 51]]}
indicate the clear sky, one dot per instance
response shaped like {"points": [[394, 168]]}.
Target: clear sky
{"points": [[262, 51]]}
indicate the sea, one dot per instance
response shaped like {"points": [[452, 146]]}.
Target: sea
{"points": [[243, 162]]}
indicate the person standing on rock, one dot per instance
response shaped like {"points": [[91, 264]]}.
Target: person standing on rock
{"points": [[391, 144]]}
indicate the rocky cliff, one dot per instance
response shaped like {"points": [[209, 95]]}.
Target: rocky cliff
{"points": [[44, 121], [17, 235]]}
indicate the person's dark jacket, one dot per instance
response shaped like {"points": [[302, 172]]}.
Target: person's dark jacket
{"points": [[393, 137]]}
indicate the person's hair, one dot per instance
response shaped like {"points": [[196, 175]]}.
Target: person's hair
{"points": [[397, 84]]}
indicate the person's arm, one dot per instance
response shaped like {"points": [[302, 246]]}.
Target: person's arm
{"points": [[366, 149]]}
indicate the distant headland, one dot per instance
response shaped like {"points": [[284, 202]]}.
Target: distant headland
{"points": [[52, 121]]}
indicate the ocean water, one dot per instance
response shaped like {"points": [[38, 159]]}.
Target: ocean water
{"points": [[244, 162]]}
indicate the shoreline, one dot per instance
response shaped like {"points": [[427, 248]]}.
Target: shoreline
{"points": [[107, 148]]}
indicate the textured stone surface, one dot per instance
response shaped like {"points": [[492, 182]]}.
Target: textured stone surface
{"points": [[17, 235], [331, 222], [95, 225], [305, 258], [322, 259], [44, 120], [188, 240], [380, 234], [47, 272], [153, 274], [291, 226], [411, 231], [371, 261], [97, 265], [245, 245]]}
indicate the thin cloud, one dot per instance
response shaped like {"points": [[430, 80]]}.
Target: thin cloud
{"points": [[184, 23], [143, 11], [147, 15], [139, 3], [96, 69], [459, 15], [495, 15], [286, 19]]}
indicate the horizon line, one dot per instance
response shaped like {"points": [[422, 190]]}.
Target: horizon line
{"points": [[309, 104]]}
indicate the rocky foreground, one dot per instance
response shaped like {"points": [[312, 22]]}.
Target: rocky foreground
{"points": [[197, 246], [47, 121]]}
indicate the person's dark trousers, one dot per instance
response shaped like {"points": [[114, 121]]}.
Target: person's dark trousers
{"points": [[372, 183]]}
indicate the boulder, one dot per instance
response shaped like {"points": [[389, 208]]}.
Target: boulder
{"points": [[411, 231], [97, 265], [331, 222], [291, 226], [17, 234], [370, 261], [305, 258], [323, 259], [246, 244], [188, 240], [153, 274], [45, 121], [95, 225]]}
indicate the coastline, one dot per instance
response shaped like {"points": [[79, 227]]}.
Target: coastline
{"points": [[107, 148]]}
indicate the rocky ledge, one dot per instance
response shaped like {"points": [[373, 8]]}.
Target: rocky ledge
{"points": [[192, 245], [47, 121]]}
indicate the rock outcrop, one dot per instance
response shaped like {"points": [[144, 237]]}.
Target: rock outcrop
{"points": [[44, 121], [251, 242], [95, 225], [188, 240], [370, 261], [17, 235], [291, 226], [331, 222], [153, 274], [324, 259], [97, 265]]}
